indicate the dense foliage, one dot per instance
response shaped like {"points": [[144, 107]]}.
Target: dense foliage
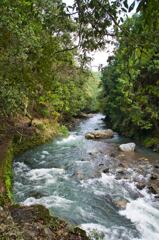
{"points": [[43, 51], [39, 71], [130, 82]]}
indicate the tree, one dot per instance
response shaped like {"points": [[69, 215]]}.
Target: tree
{"points": [[39, 70], [130, 81]]}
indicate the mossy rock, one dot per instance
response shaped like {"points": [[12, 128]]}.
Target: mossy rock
{"points": [[37, 220], [22, 214], [42, 132]]}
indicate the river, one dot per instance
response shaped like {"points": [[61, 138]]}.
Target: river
{"points": [[64, 175]]}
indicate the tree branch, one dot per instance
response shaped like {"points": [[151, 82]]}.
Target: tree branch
{"points": [[67, 49]]}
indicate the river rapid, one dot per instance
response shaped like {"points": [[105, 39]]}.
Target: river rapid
{"points": [[67, 176]]}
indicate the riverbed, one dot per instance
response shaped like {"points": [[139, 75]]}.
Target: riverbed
{"points": [[81, 181]]}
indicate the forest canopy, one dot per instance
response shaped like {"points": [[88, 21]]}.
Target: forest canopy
{"points": [[130, 81], [44, 48], [41, 69]]}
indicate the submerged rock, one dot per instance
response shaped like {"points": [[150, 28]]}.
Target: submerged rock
{"points": [[153, 189], [99, 134], [156, 166], [92, 152], [121, 204], [153, 185], [128, 147], [120, 170], [106, 170], [154, 176], [143, 159], [140, 185], [37, 194]]}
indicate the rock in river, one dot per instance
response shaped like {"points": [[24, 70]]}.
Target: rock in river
{"points": [[140, 185], [121, 204], [128, 147], [108, 133]]}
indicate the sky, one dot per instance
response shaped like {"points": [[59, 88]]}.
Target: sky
{"points": [[99, 57]]}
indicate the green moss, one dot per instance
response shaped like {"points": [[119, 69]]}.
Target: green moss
{"points": [[42, 213], [79, 231], [43, 132], [2, 199], [7, 175], [26, 143]]}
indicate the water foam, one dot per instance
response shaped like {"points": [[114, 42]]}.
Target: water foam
{"points": [[70, 138], [50, 201], [105, 180], [45, 152], [142, 214], [98, 231], [93, 229], [47, 173], [21, 165], [145, 217]]}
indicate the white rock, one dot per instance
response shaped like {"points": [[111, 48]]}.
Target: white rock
{"points": [[128, 147]]}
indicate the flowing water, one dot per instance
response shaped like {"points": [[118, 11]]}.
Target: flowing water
{"points": [[63, 176]]}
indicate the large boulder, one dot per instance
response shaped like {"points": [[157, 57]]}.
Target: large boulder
{"points": [[108, 133], [128, 147]]}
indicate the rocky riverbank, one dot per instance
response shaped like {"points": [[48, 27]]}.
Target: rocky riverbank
{"points": [[124, 162], [35, 223], [132, 167]]}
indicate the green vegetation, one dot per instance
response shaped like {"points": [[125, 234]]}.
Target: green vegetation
{"points": [[93, 90], [43, 59], [43, 130], [130, 81], [44, 81], [41, 72], [6, 174]]}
